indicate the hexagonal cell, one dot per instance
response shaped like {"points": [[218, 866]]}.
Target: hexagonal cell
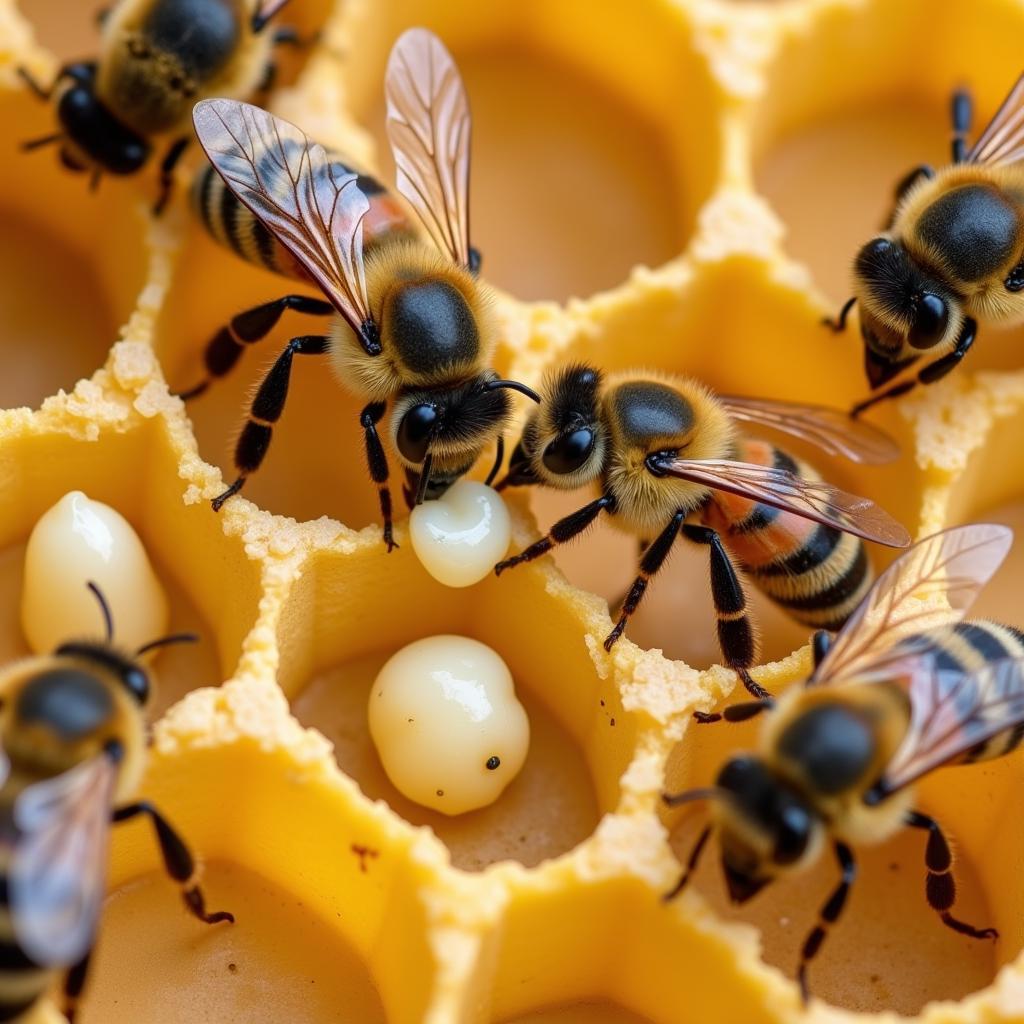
{"points": [[71, 263], [729, 326], [317, 879], [889, 950], [135, 473], [560, 98], [279, 963], [368, 605], [829, 158]]}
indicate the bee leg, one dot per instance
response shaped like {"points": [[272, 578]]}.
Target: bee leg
{"points": [[167, 165], [940, 886], [74, 983], [564, 530], [829, 914], [894, 392], [691, 866], [641, 546], [377, 460], [651, 561], [223, 351], [178, 860], [839, 323], [937, 370], [741, 712], [735, 631], [266, 410], [960, 114]]}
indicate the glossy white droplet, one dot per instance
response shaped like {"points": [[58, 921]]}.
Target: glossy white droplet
{"points": [[447, 725], [75, 541], [460, 536]]}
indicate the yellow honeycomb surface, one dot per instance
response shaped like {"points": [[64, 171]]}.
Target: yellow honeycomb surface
{"points": [[677, 184]]}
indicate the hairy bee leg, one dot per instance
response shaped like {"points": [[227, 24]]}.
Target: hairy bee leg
{"points": [[224, 349], [564, 530], [167, 165], [735, 630], [838, 324], [741, 712], [377, 461], [74, 984], [940, 886], [178, 861], [930, 374], [828, 915], [266, 409], [651, 561], [960, 115], [691, 865]]}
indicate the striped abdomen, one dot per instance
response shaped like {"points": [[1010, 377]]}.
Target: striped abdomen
{"points": [[967, 647], [817, 573], [233, 225], [22, 982]]}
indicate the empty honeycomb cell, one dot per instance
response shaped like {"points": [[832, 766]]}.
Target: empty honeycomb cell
{"points": [[583, 165], [581, 739]]}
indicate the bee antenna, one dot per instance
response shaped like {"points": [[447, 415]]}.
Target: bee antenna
{"points": [[45, 140], [421, 486], [164, 641], [690, 796], [499, 458], [512, 385], [108, 619]]}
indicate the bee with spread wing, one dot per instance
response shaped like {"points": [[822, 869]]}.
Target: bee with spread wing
{"points": [[907, 686], [413, 327]]}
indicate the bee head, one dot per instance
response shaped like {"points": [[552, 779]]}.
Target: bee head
{"points": [[564, 441], [442, 433], [903, 310], [765, 827], [93, 138]]}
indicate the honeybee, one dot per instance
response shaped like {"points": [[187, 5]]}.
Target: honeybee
{"points": [[952, 255], [157, 58], [73, 745], [665, 450], [413, 325], [892, 698]]}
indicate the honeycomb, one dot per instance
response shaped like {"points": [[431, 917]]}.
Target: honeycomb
{"points": [[671, 183]]}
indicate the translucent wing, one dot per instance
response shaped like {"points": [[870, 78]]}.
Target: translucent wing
{"points": [[266, 9], [811, 499], [58, 869], [955, 563], [951, 713], [831, 430], [1002, 141], [292, 186], [429, 127]]}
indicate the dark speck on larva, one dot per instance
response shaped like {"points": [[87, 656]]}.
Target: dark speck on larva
{"points": [[493, 762]]}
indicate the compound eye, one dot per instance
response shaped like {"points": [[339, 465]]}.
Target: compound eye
{"points": [[566, 454], [415, 431], [137, 683], [931, 317]]}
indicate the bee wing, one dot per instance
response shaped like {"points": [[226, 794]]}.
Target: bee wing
{"points": [[429, 126], [58, 868], [955, 563], [952, 712], [832, 431], [1002, 141], [811, 499], [293, 187], [266, 9]]}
